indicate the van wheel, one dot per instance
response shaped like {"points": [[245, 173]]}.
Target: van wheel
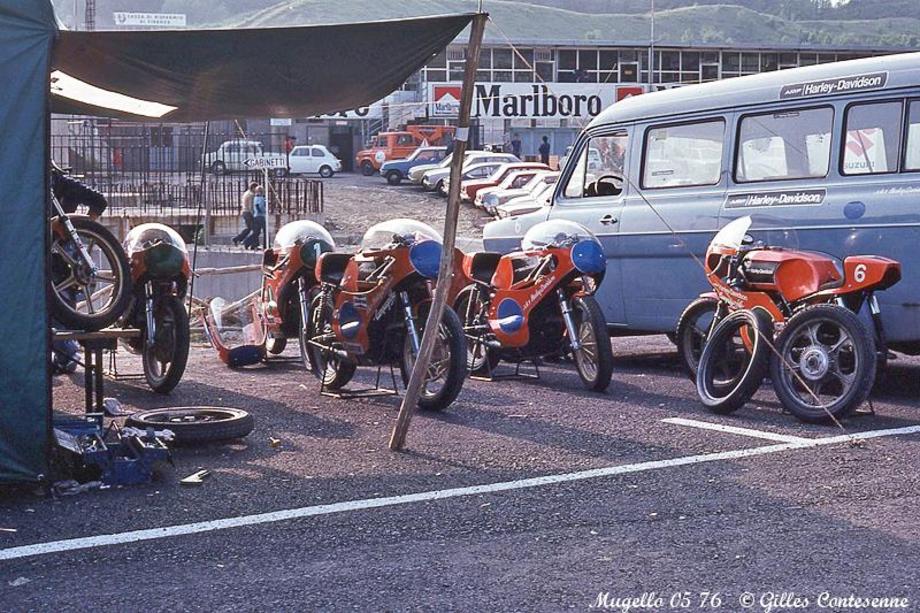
{"points": [[394, 177], [326, 172], [367, 169]]}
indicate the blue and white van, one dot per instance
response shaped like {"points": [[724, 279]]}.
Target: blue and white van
{"points": [[829, 155]]}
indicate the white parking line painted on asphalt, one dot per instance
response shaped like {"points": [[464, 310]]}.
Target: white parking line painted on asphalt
{"points": [[135, 536], [705, 425]]}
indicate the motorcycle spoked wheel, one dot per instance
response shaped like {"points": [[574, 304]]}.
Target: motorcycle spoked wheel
{"points": [[734, 361], [165, 361], [481, 359], [108, 291], [447, 368], [594, 356], [333, 371], [828, 363], [693, 327]]}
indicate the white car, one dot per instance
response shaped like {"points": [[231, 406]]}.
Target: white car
{"points": [[238, 156], [526, 204], [594, 158], [435, 179], [314, 159], [514, 181], [536, 184]]}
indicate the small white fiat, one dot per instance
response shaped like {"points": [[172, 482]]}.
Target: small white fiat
{"points": [[313, 159]]}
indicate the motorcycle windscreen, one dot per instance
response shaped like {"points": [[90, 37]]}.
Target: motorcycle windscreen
{"points": [[235, 330]]}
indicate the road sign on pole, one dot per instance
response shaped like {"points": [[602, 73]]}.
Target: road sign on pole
{"points": [[265, 163]]}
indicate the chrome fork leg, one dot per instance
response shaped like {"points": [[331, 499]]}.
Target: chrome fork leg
{"points": [[151, 321], [566, 309], [410, 321], [304, 305]]}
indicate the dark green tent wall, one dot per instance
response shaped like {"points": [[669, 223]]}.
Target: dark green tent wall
{"points": [[27, 31]]}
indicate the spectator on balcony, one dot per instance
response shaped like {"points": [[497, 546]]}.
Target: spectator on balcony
{"points": [[246, 213]]}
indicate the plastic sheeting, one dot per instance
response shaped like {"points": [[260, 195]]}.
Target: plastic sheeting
{"points": [[27, 30], [195, 75]]}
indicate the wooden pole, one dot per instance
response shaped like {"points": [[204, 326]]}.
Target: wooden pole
{"points": [[416, 380]]}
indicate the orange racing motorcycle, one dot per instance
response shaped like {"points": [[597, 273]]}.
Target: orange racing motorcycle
{"points": [[539, 302], [823, 359], [160, 272], [372, 308]]}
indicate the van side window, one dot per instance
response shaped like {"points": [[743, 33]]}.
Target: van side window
{"points": [[599, 171], [873, 138], [794, 144], [684, 155], [912, 156]]}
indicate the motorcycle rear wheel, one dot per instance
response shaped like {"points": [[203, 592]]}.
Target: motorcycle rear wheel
{"points": [[481, 360], [165, 361], [72, 283], [333, 371], [828, 363], [734, 361]]}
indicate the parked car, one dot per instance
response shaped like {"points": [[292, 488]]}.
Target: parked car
{"points": [[594, 158], [469, 188], [314, 159], [232, 156], [397, 145], [434, 179], [418, 173], [537, 200], [397, 170], [489, 199], [482, 170], [790, 148]]}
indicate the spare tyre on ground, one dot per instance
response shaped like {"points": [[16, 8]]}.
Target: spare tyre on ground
{"points": [[196, 424]]}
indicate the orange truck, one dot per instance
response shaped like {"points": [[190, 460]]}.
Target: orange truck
{"points": [[397, 145]]}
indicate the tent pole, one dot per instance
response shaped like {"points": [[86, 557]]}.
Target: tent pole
{"points": [[413, 389], [202, 198]]}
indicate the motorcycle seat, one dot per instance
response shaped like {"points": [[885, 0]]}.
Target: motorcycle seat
{"points": [[483, 266], [332, 267]]}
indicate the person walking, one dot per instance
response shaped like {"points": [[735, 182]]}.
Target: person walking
{"points": [[544, 151], [259, 213], [246, 213]]}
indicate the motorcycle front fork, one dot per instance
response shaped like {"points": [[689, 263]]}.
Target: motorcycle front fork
{"points": [[411, 328], [64, 219], [151, 320], [304, 306], [566, 307]]}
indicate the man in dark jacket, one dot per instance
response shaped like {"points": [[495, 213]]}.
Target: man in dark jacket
{"points": [[544, 151]]}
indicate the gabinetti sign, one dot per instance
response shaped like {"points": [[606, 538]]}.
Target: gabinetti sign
{"points": [[525, 100]]}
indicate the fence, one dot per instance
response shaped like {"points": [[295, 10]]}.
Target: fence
{"points": [[155, 169]]}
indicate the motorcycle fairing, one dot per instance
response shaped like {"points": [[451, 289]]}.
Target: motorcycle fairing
{"points": [[235, 348]]}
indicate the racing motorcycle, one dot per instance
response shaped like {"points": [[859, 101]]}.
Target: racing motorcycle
{"points": [[539, 302], [289, 283], [823, 359], [89, 276], [160, 272], [372, 308]]}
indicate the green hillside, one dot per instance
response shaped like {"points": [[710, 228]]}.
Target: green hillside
{"points": [[753, 22], [714, 24]]}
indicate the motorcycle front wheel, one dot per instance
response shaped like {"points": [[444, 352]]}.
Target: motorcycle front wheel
{"points": [[332, 370], [80, 298], [165, 360], [826, 364], [734, 361], [447, 368], [594, 356]]}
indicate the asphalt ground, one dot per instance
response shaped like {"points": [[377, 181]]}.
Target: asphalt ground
{"points": [[684, 509]]}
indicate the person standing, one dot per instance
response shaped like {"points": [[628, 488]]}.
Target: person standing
{"points": [[516, 145], [259, 213], [246, 213], [544, 151]]}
